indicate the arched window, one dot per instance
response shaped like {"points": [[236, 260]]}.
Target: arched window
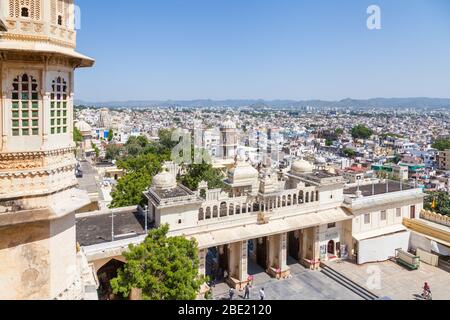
{"points": [[24, 12], [208, 213], [25, 106], [215, 212], [231, 210], [59, 107], [307, 197], [223, 209], [201, 214], [60, 20]]}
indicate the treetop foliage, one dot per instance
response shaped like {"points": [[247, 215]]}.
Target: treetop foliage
{"points": [[361, 132], [442, 144], [164, 268]]}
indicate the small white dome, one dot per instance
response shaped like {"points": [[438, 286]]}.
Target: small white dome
{"points": [[83, 126], [164, 181], [302, 166], [228, 124], [242, 171]]}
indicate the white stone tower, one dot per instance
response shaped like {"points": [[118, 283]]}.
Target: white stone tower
{"points": [[38, 195], [228, 140]]}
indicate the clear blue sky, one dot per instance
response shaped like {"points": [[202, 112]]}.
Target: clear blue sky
{"points": [[283, 49]]}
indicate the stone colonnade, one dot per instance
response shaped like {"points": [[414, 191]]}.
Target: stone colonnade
{"points": [[275, 251]]}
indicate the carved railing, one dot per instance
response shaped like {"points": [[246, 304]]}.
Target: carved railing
{"points": [[435, 217]]}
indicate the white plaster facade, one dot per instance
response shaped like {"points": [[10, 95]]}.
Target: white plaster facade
{"points": [[378, 223]]}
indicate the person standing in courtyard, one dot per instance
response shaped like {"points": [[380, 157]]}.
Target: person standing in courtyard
{"points": [[231, 293], [262, 294], [247, 292]]}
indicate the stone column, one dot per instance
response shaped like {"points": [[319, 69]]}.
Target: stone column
{"points": [[238, 262], [202, 262], [202, 269], [310, 251], [278, 267]]}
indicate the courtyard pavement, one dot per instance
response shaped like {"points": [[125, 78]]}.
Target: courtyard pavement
{"points": [[304, 285], [395, 281]]}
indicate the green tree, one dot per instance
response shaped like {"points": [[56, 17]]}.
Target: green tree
{"points": [[165, 139], [164, 268], [142, 141], [110, 135], [140, 171], [140, 145], [350, 153], [97, 151], [442, 144], [77, 137], [328, 143], [129, 188], [339, 132], [441, 201], [361, 132], [202, 172], [148, 162], [113, 152]]}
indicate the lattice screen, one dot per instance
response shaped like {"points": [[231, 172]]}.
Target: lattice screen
{"points": [[33, 6]]}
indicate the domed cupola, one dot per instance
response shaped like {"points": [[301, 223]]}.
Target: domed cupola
{"points": [[242, 172], [301, 167], [228, 124], [164, 180], [83, 126]]}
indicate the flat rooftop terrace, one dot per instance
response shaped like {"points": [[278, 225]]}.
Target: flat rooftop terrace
{"points": [[96, 229], [379, 188]]}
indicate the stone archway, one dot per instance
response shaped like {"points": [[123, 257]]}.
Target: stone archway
{"points": [[105, 274], [331, 247], [294, 245]]}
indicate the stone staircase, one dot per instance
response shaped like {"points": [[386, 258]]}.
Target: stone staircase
{"points": [[347, 283]]}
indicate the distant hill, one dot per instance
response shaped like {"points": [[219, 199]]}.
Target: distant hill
{"points": [[346, 103]]}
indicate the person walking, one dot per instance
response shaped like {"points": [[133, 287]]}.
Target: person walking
{"points": [[426, 292], [247, 292], [262, 294], [231, 293]]}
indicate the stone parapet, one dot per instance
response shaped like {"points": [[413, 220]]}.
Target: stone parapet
{"points": [[435, 217]]}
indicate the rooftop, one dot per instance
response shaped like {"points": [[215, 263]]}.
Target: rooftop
{"points": [[172, 193], [379, 188], [320, 175], [96, 229]]}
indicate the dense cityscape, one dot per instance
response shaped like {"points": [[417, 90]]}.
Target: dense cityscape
{"points": [[210, 200]]}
